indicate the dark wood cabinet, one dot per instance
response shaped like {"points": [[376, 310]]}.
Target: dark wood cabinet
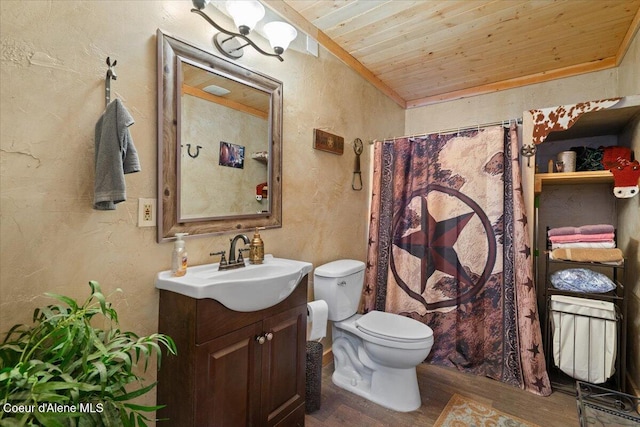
{"points": [[233, 368], [226, 376]]}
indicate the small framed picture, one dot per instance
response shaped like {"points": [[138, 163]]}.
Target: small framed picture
{"points": [[326, 141], [231, 155]]}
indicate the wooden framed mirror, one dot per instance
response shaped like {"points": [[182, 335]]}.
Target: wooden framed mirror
{"points": [[219, 143]]}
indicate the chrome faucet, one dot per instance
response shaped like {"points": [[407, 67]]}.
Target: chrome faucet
{"points": [[232, 250]]}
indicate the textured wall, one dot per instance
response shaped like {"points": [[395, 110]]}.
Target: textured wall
{"points": [[629, 221], [629, 69], [52, 66], [510, 103], [629, 240]]}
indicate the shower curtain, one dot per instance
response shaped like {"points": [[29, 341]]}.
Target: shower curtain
{"points": [[448, 247]]}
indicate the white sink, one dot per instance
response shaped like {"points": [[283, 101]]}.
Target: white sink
{"points": [[250, 288]]}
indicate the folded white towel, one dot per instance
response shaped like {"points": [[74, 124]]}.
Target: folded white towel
{"points": [[569, 245], [115, 155]]}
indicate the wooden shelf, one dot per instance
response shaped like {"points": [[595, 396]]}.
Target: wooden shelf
{"points": [[563, 178]]}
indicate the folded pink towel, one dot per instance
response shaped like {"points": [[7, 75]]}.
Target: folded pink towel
{"points": [[585, 229], [582, 238], [596, 229]]}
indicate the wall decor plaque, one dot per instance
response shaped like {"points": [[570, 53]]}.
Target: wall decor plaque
{"points": [[326, 141]]}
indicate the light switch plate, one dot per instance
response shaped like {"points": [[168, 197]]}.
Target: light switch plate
{"points": [[146, 212]]}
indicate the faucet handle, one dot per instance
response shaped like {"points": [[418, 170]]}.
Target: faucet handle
{"points": [[240, 257], [223, 259]]}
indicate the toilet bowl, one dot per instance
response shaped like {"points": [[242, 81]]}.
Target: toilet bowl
{"points": [[375, 354]]}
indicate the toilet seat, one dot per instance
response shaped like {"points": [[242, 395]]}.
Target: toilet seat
{"points": [[393, 327]]}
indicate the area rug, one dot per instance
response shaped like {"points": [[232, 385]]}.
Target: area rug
{"points": [[461, 411]]}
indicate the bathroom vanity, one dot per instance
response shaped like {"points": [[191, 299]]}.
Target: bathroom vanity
{"points": [[233, 368]]}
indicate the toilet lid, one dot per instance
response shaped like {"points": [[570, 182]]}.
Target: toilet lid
{"points": [[393, 326]]}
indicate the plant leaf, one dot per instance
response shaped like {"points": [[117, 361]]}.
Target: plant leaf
{"points": [[143, 407], [96, 293], [69, 301], [136, 393]]}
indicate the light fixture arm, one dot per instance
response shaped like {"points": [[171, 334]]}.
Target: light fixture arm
{"points": [[232, 34]]}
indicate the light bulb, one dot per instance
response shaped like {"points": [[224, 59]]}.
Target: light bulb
{"points": [[245, 14], [280, 34]]}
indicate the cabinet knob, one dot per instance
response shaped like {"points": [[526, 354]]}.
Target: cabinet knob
{"points": [[269, 336], [261, 339]]}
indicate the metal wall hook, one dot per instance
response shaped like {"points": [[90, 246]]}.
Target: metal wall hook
{"points": [[111, 75], [193, 156], [528, 151], [356, 181]]}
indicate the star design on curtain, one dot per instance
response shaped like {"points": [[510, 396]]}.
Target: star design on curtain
{"points": [[535, 349], [523, 220], [433, 244], [531, 316], [539, 383], [529, 284]]}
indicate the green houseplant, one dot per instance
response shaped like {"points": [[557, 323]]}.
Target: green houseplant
{"points": [[75, 367]]}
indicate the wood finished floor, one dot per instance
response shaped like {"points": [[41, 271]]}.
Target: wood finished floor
{"points": [[437, 384]]}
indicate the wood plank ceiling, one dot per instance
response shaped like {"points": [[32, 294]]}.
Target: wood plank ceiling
{"points": [[239, 96], [426, 51]]}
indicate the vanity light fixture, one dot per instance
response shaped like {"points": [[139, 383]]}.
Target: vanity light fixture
{"points": [[246, 14]]}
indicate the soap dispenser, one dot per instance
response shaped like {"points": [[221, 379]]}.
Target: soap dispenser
{"points": [[256, 249], [179, 256]]}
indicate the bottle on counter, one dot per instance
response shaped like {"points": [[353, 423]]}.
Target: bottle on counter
{"points": [[256, 249], [179, 256]]}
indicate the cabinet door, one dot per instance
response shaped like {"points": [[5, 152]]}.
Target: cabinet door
{"points": [[228, 379], [283, 364]]}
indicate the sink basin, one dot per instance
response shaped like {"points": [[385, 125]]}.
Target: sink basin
{"points": [[250, 288]]}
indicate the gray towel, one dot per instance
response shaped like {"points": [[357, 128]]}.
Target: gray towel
{"points": [[115, 155]]}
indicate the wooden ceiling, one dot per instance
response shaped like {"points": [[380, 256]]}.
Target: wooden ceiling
{"points": [[240, 96], [426, 51]]}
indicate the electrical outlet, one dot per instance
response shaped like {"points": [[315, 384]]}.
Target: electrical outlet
{"points": [[146, 212]]}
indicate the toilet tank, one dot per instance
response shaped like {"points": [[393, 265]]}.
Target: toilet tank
{"points": [[339, 284]]}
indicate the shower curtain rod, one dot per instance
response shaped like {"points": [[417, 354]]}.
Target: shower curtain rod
{"points": [[453, 130]]}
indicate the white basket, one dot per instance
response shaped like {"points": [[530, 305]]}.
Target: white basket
{"points": [[584, 337]]}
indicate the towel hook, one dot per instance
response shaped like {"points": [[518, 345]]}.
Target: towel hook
{"points": [[193, 156], [528, 151], [357, 174], [111, 75]]}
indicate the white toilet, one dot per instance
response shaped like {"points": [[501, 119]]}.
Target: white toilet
{"points": [[376, 354]]}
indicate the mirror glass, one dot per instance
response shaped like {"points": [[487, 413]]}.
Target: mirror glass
{"points": [[219, 143], [223, 162]]}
